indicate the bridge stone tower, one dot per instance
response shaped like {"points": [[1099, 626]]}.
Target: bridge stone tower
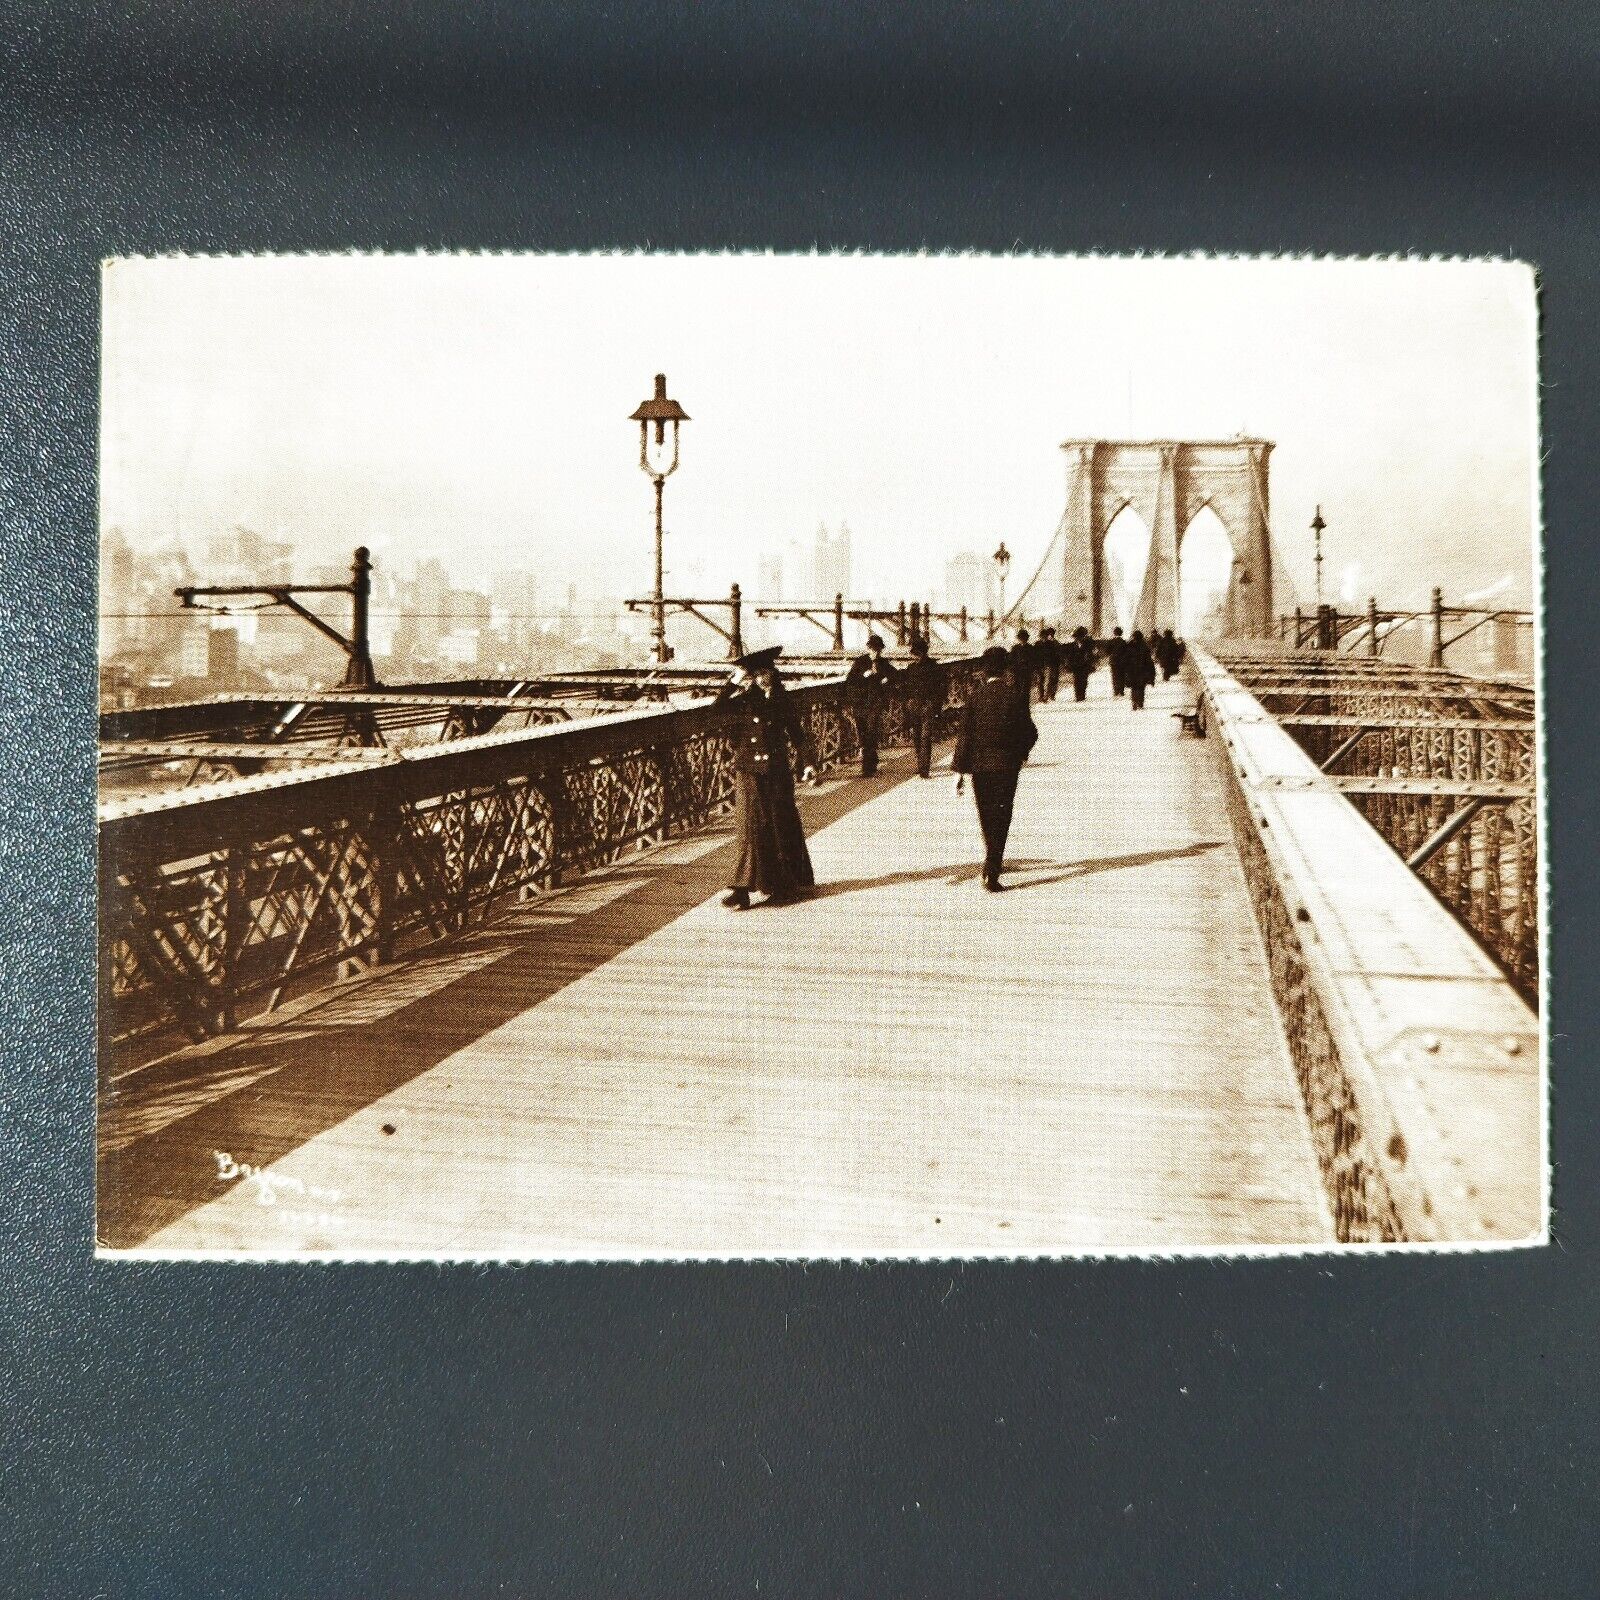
{"points": [[1167, 481]]}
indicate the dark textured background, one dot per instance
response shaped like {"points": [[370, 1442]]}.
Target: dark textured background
{"points": [[1398, 1426]]}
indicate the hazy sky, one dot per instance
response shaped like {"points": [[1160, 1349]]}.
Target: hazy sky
{"points": [[476, 407]]}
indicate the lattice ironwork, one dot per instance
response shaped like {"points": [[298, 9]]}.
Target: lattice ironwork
{"points": [[218, 906], [1358, 1197], [1376, 719]]}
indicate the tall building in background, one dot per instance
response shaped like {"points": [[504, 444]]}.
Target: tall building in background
{"points": [[830, 566], [243, 556], [513, 610], [119, 596], [222, 657], [429, 607]]}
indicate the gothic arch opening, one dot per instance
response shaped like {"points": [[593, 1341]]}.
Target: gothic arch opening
{"points": [[1118, 573], [1126, 553], [1205, 568]]}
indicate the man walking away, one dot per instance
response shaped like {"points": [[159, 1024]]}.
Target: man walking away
{"points": [[1049, 664], [867, 688], [996, 735], [922, 693], [1166, 652], [1117, 656], [1080, 660], [1139, 668], [1022, 654]]}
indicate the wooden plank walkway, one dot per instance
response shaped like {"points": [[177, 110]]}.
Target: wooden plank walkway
{"points": [[904, 1065]]}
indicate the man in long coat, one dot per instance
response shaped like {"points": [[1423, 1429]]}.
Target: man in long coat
{"points": [[1138, 668], [1117, 658], [867, 687], [1023, 656], [922, 694], [996, 735], [1080, 660], [772, 856], [1048, 665]]}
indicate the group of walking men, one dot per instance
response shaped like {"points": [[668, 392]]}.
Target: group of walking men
{"points": [[995, 735], [1038, 663]]}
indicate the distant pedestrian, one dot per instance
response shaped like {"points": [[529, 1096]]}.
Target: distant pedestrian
{"points": [[996, 736], [1022, 657], [1081, 655], [1117, 659], [772, 857], [867, 689], [922, 697], [1048, 673], [1166, 654], [1138, 668]]}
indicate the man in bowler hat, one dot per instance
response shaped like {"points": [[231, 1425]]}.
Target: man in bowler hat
{"points": [[1117, 655], [1047, 668], [922, 695], [867, 687], [1022, 661], [1080, 660], [996, 736]]}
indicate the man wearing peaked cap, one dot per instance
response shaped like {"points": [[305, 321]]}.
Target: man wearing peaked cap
{"points": [[753, 661]]}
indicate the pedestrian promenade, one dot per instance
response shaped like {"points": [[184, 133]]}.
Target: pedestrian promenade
{"points": [[903, 1065]]}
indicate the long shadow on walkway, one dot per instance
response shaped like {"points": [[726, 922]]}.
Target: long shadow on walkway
{"points": [[966, 872], [309, 1074]]}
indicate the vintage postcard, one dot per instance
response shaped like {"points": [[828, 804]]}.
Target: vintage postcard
{"points": [[633, 756]]}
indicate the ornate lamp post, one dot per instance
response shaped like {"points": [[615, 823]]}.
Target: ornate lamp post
{"points": [[1002, 565], [658, 411], [1317, 525]]}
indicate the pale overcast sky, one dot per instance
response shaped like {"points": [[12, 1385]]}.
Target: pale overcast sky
{"points": [[476, 407]]}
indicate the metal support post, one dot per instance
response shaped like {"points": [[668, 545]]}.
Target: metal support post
{"points": [[659, 628], [1436, 648], [838, 622], [358, 673], [735, 635]]}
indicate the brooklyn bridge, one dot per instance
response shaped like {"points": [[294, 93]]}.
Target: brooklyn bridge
{"points": [[439, 969]]}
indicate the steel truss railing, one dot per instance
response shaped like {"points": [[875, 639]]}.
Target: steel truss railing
{"points": [[1417, 1060], [219, 900], [1443, 765]]}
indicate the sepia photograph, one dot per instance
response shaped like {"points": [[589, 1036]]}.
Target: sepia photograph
{"points": [[656, 757]]}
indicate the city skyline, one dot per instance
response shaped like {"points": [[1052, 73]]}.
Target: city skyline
{"points": [[477, 407]]}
